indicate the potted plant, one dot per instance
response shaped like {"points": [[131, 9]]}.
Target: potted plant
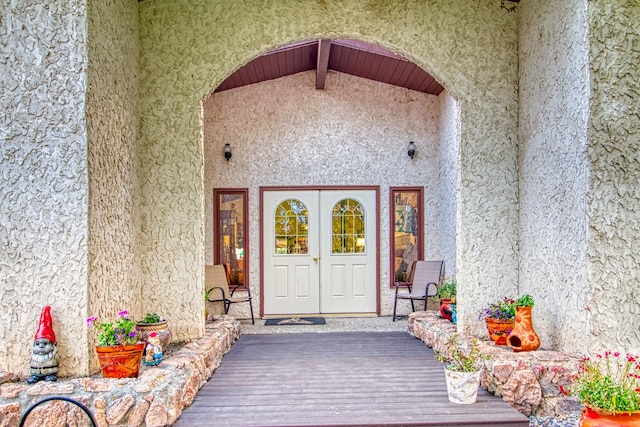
{"points": [[153, 322], [119, 348], [462, 372], [523, 337], [499, 317], [447, 296], [608, 385]]}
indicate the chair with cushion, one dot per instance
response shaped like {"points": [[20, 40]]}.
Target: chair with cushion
{"points": [[424, 278], [216, 282]]}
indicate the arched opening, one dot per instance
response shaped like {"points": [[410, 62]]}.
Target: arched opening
{"points": [[334, 113]]}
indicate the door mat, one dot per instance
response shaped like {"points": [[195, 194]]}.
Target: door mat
{"points": [[295, 321]]}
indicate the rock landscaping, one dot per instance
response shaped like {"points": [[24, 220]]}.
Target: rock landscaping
{"points": [[530, 381], [156, 398]]}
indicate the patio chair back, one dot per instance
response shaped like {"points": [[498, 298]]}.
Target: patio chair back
{"points": [[427, 276], [424, 279]]}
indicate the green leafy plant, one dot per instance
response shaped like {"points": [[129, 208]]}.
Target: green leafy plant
{"points": [[505, 309], [447, 291], [525, 301], [461, 359], [120, 332], [152, 318], [608, 383]]}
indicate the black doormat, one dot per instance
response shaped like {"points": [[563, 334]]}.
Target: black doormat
{"points": [[295, 321]]}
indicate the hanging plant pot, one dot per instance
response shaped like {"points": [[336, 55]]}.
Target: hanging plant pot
{"points": [[593, 418], [523, 337], [499, 329], [120, 361], [462, 387]]}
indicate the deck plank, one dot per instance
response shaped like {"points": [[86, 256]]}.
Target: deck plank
{"points": [[336, 379]]}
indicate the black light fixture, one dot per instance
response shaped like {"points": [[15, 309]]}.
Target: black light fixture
{"points": [[227, 151], [411, 149]]}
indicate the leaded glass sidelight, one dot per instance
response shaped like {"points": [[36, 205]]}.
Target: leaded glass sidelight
{"points": [[291, 228], [230, 213], [347, 228], [407, 231]]}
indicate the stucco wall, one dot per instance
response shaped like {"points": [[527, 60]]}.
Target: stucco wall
{"points": [[449, 173], [43, 178], [113, 130], [354, 132], [189, 48], [614, 182], [554, 110]]}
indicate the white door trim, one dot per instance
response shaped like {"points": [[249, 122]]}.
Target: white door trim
{"points": [[264, 221]]}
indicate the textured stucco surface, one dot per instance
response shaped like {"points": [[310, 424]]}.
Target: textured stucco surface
{"points": [[614, 181], [189, 48], [554, 110], [449, 177], [43, 177], [63, 246], [113, 130], [354, 132]]}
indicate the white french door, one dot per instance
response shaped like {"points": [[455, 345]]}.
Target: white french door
{"points": [[320, 251]]}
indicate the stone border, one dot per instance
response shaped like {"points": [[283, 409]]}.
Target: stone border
{"points": [[156, 398], [529, 381]]}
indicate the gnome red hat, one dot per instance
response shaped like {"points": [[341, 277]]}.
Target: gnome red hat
{"points": [[45, 328]]}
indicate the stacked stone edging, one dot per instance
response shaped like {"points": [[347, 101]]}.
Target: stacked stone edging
{"points": [[156, 398], [529, 381]]}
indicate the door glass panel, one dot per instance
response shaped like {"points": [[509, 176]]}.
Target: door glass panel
{"points": [[347, 227], [291, 228]]}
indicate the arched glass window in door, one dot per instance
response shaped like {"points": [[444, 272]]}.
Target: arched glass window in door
{"points": [[347, 228], [291, 228]]}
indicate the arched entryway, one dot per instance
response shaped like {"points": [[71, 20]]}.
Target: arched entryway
{"points": [[476, 59]]}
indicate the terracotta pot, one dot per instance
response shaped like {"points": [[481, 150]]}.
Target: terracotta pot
{"points": [[462, 387], [445, 309], [120, 361], [499, 329], [593, 418], [161, 328], [523, 337]]}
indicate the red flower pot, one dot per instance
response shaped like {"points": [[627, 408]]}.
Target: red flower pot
{"points": [[593, 418], [445, 309], [499, 329], [120, 361]]}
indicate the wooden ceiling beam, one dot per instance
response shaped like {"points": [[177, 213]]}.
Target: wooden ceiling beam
{"points": [[322, 64]]}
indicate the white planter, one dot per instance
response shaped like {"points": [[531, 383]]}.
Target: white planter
{"points": [[462, 387]]}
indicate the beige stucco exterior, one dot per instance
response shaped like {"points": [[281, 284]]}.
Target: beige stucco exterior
{"points": [[105, 167], [284, 132]]}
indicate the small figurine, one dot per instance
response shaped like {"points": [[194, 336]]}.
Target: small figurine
{"points": [[153, 350], [44, 356]]}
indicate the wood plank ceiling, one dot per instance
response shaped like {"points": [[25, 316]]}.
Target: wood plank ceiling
{"points": [[345, 56]]}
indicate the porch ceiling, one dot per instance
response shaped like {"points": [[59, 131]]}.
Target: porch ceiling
{"points": [[345, 56]]}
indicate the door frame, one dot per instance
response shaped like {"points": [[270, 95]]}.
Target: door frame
{"points": [[375, 188]]}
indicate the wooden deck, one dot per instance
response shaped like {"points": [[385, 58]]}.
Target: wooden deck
{"points": [[336, 379]]}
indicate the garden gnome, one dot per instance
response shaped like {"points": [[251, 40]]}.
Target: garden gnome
{"points": [[153, 350], [44, 356]]}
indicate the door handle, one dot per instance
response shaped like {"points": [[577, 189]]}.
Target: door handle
{"points": [[315, 258]]}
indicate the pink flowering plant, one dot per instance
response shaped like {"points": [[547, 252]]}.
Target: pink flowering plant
{"points": [[608, 383], [120, 332]]}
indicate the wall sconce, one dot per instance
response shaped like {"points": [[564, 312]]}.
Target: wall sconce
{"points": [[411, 149], [227, 151]]}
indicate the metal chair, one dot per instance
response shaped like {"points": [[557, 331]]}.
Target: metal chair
{"points": [[62, 398], [423, 283], [216, 282]]}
